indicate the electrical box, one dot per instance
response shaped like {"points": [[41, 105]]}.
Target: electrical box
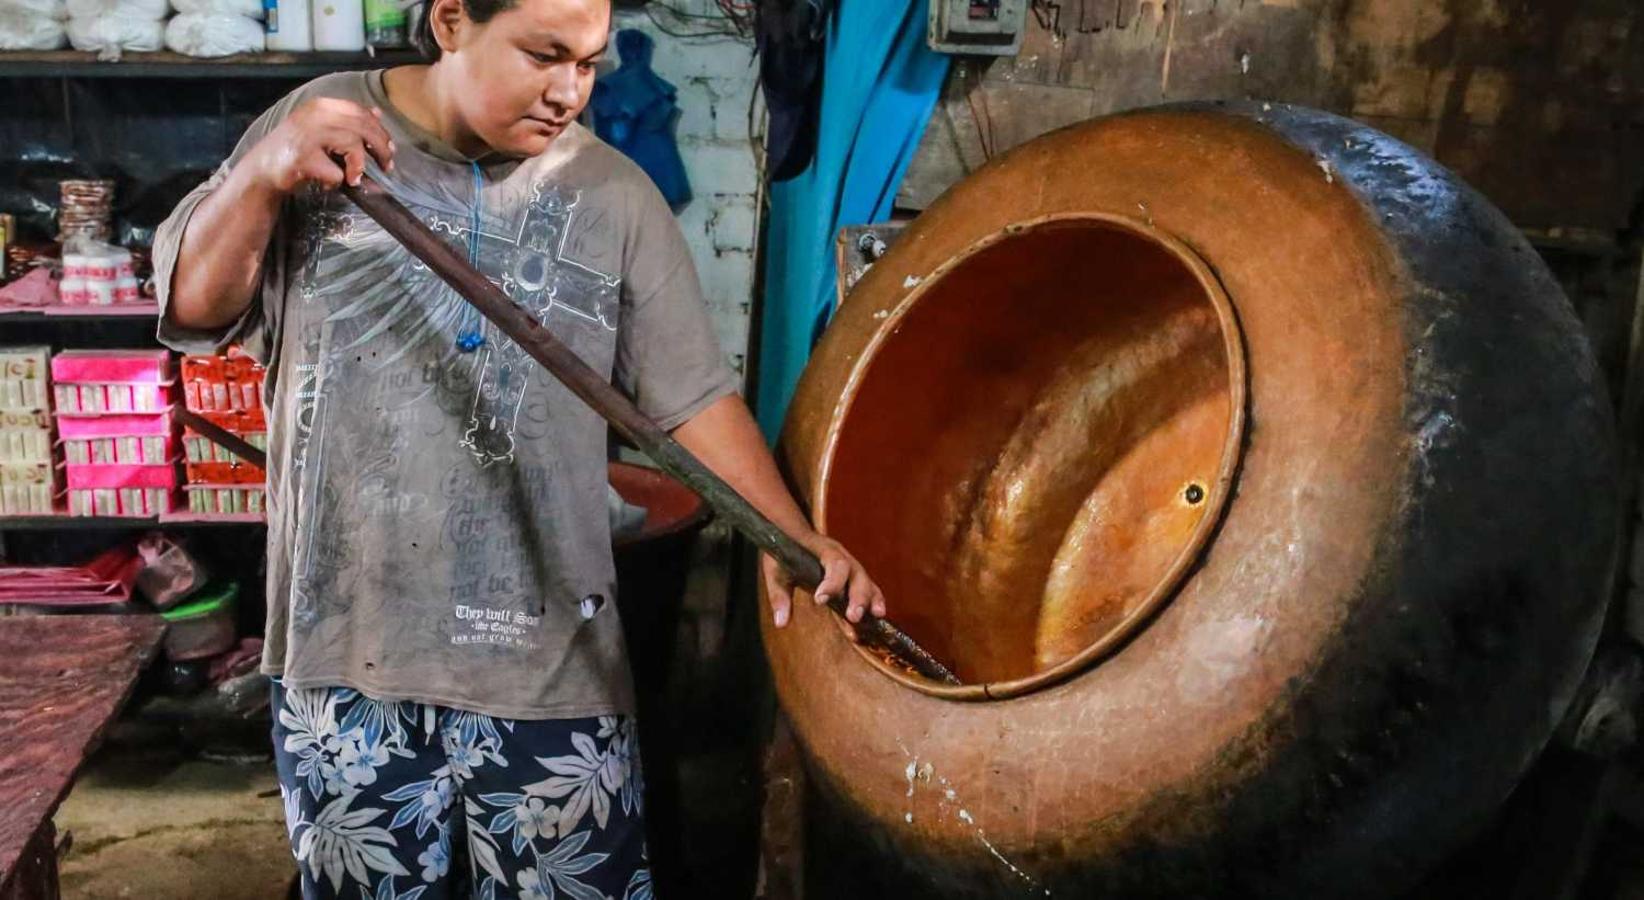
{"points": [[977, 27]]}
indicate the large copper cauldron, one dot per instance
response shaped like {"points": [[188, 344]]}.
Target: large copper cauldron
{"points": [[1254, 474]]}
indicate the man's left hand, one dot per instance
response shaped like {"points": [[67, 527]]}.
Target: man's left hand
{"points": [[842, 575]]}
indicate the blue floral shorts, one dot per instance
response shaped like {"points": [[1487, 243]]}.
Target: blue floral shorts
{"points": [[374, 789]]}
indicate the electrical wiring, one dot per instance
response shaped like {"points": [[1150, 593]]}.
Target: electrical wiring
{"points": [[733, 21]]}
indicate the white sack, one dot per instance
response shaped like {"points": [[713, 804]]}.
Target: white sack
{"points": [[131, 9], [51, 9], [196, 34], [23, 30], [110, 35], [249, 8]]}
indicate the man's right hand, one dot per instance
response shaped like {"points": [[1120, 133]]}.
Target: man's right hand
{"points": [[324, 141]]}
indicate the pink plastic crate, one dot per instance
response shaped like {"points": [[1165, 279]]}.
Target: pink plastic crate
{"points": [[121, 476], [107, 366]]}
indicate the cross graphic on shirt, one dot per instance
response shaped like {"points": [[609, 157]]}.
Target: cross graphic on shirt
{"points": [[530, 264]]}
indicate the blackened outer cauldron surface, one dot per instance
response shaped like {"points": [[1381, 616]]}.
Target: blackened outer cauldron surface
{"points": [[1394, 606]]}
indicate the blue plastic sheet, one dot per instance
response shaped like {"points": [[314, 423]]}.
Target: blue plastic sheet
{"points": [[879, 85]]}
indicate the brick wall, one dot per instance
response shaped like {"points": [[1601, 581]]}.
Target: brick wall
{"points": [[715, 75]]}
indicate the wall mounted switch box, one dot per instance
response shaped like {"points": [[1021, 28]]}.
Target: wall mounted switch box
{"points": [[977, 27]]}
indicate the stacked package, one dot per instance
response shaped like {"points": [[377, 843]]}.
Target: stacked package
{"points": [[31, 24], [27, 484], [97, 274], [211, 28], [85, 206], [114, 416], [227, 391], [111, 27]]}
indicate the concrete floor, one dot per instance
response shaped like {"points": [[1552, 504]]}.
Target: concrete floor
{"points": [[150, 822]]}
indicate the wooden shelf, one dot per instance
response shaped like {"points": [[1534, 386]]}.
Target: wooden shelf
{"points": [[106, 523], [78, 64], [124, 312], [189, 518]]}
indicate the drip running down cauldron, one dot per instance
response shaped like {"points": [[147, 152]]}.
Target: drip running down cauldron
{"points": [[1254, 475]]}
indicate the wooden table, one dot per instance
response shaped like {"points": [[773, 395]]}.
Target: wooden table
{"points": [[62, 680]]}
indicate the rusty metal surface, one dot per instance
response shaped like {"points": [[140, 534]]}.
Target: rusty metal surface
{"points": [[1055, 439], [1376, 640], [62, 679], [1537, 103]]}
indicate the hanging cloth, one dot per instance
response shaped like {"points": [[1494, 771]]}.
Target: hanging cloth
{"points": [[791, 38], [634, 111], [880, 84]]}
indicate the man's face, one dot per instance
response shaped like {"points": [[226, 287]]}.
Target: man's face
{"points": [[528, 71]]}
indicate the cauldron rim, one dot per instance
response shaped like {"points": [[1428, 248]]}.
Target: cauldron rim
{"points": [[1218, 495]]}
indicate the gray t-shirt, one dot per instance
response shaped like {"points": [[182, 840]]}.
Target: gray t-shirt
{"points": [[437, 518]]}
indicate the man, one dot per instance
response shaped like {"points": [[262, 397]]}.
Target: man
{"points": [[440, 628]]}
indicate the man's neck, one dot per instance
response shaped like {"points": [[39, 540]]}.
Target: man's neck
{"points": [[423, 95]]}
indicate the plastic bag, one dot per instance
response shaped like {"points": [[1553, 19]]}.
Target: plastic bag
{"points": [[194, 34], [152, 10], [169, 574], [109, 35], [249, 8], [51, 9], [24, 30], [37, 288]]}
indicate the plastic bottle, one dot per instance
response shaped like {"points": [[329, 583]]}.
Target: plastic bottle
{"points": [[287, 23], [339, 25], [385, 24]]}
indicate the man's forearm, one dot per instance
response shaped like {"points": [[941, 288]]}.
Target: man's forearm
{"points": [[219, 260], [727, 440]]}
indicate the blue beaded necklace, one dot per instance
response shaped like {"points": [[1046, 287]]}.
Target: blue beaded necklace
{"points": [[471, 332]]}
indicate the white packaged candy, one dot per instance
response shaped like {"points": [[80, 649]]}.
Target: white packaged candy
{"points": [[109, 36], [250, 8], [25, 473], [25, 499], [133, 9], [225, 500], [111, 398], [22, 395], [138, 450], [51, 9], [25, 445], [119, 502], [22, 29], [23, 379], [95, 273], [24, 363], [210, 35]]}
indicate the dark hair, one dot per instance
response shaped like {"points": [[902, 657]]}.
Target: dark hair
{"points": [[477, 10]]}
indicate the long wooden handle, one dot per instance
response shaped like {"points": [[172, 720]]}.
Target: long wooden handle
{"points": [[626, 418]]}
